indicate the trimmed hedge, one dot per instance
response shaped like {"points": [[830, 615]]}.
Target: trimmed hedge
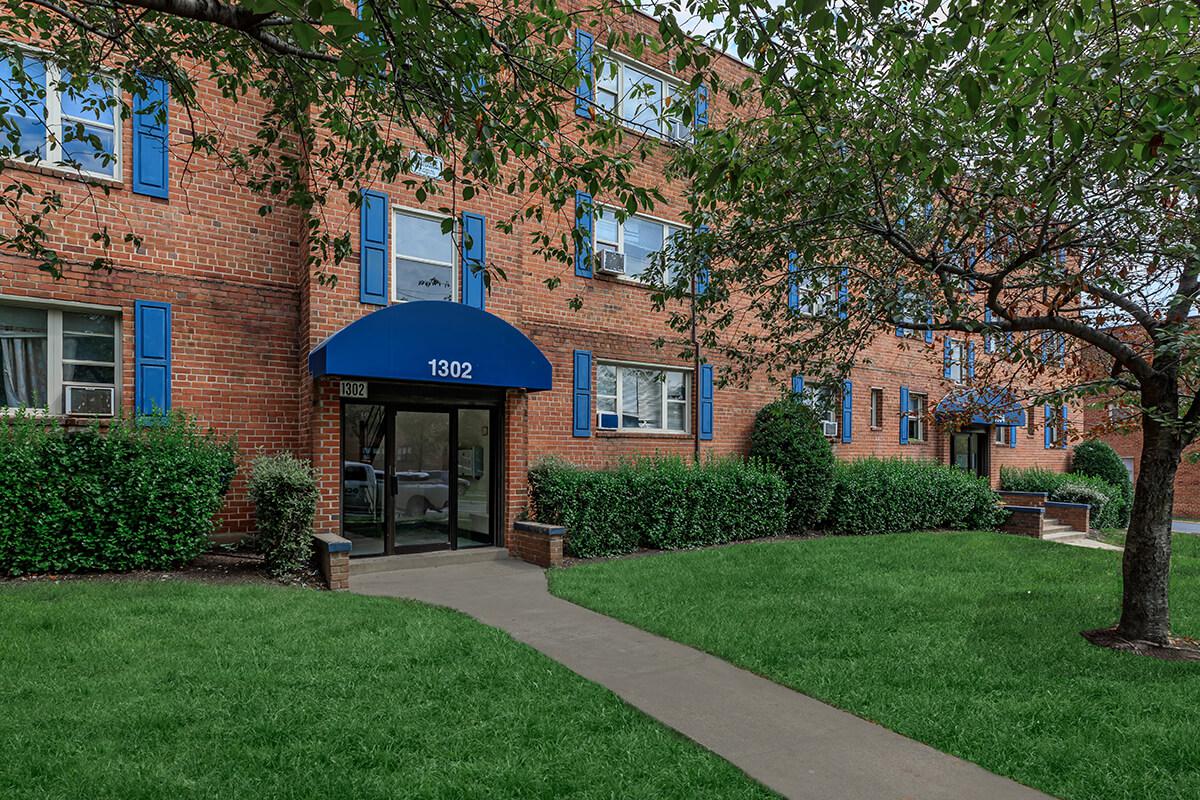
{"points": [[786, 434], [131, 497], [1097, 459], [874, 495], [1054, 484], [284, 491], [659, 502]]}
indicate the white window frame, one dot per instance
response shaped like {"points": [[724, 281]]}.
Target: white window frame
{"points": [[814, 299], [918, 406], [686, 402], [392, 256], [53, 124], [55, 385], [669, 229], [958, 360], [681, 130], [876, 408], [1000, 434]]}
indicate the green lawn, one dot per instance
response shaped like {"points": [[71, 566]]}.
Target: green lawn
{"points": [[969, 642], [183, 690]]}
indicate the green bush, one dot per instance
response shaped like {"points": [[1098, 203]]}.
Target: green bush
{"points": [[787, 435], [873, 495], [658, 502], [131, 497], [1035, 479], [1097, 459], [284, 491]]}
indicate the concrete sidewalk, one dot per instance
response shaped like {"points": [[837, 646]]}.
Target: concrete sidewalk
{"points": [[797, 746]]}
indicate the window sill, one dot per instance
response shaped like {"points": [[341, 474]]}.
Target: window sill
{"points": [[629, 432], [64, 172]]}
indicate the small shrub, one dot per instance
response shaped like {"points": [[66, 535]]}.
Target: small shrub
{"points": [[284, 491], [1036, 479], [787, 435], [130, 496], [658, 502], [873, 495], [1097, 459]]}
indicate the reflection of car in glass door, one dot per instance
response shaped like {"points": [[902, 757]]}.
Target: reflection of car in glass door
{"points": [[362, 484], [418, 492]]}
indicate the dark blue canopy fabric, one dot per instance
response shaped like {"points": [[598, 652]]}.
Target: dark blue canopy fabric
{"points": [[986, 406], [434, 341]]}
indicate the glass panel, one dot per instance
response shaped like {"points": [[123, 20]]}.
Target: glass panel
{"points": [[676, 386], [641, 398], [421, 483], [23, 342], [606, 380], [676, 416], [88, 147], [87, 323], [23, 131], [89, 104], [643, 238], [416, 280], [606, 226], [643, 99], [474, 477], [362, 477], [87, 373], [88, 348], [422, 237]]}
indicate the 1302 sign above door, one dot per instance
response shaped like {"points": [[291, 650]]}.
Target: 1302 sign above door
{"points": [[353, 390]]}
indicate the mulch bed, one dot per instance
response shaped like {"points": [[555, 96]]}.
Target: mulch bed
{"points": [[1180, 648], [642, 552], [225, 568]]}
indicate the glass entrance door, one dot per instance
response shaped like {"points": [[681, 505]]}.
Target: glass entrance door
{"points": [[968, 451], [417, 478]]}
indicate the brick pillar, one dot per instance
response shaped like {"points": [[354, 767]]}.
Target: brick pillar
{"points": [[333, 560]]}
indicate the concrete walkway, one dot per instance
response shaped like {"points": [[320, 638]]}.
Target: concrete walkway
{"points": [[793, 744]]}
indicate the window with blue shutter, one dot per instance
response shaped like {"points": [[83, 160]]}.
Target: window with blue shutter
{"points": [[989, 339], [1062, 434], [152, 357], [581, 424], [1012, 436], [970, 359], [903, 415], [474, 248], [1048, 432], [947, 358], [701, 106], [151, 146], [583, 63], [847, 411], [843, 292], [793, 282], [798, 384], [706, 401], [373, 249], [583, 226], [929, 331]]}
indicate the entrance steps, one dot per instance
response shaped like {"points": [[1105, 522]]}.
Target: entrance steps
{"points": [[1055, 531], [438, 558]]}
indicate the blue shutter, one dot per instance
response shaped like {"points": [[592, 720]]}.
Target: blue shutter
{"points": [[903, 415], [929, 331], [701, 106], [798, 384], [989, 339], [702, 275], [987, 241], [970, 359], [583, 63], [583, 224], [474, 248], [900, 330], [582, 415], [152, 357], [928, 211], [946, 347], [847, 411], [151, 139], [1012, 433], [793, 282], [1062, 434], [706, 401], [373, 249], [1049, 415], [844, 293]]}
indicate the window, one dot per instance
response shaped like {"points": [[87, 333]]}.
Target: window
{"points": [[423, 258], [876, 408], [640, 98], [639, 238], [813, 295], [1000, 435], [1031, 425], [908, 301], [642, 398], [59, 361], [956, 359], [1054, 426], [824, 404], [50, 121], [917, 404], [1118, 413]]}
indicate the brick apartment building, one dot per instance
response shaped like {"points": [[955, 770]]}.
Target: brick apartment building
{"points": [[421, 398]]}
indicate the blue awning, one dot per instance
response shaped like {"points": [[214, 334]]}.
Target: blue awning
{"points": [[986, 406], [433, 341]]}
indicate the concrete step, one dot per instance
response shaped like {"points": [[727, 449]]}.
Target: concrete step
{"points": [[1054, 527], [438, 558], [1063, 533]]}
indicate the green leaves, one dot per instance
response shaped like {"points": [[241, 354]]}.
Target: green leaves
{"points": [[969, 86]]}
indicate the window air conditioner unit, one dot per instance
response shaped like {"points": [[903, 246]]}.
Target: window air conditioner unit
{"points": [[829, 428], [611, 262], [606, 421], [90, 401]]}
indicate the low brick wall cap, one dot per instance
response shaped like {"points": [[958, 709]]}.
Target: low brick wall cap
{"points": [[540, 527], [1026, 509], [1057, 504], [332, 543]]}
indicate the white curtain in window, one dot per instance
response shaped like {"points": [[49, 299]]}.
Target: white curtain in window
{"points": [[23, 361]]}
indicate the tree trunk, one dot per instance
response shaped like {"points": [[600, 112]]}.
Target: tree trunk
{"points": [[1147, 565]]}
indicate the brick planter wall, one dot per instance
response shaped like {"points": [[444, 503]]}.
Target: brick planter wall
{"points": [[1024, 521], [1077, 515], [333, 560], [537, 543]]}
